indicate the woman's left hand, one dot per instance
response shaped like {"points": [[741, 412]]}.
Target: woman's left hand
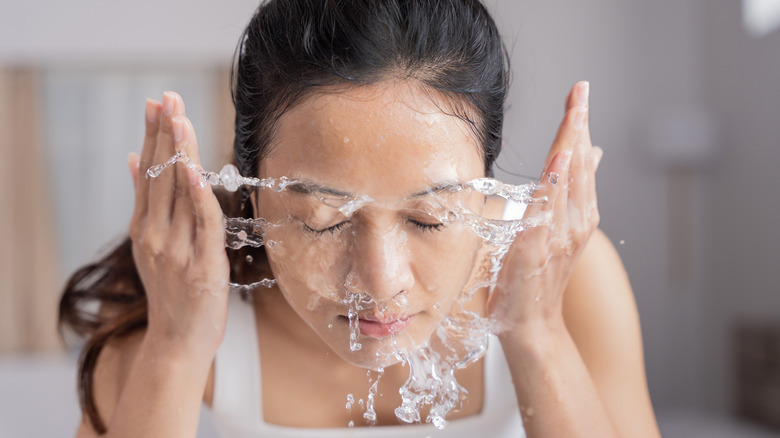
{"points": [[540, 261]]}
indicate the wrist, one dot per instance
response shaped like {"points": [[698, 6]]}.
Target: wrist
{"points": [[536, 337], [191, 353]]}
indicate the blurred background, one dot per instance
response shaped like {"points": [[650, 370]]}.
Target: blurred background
{"points": [[685, 102]]}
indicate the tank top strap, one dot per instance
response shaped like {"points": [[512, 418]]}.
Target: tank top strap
{"points": [[237, 383], [499, 392]]}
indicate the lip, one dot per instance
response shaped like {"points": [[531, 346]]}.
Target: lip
{"points": [[379, 329]]}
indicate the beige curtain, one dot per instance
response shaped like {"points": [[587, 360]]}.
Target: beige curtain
{"points": [[29, 276]]}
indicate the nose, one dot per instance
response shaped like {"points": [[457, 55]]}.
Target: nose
{"points": [[381, 263]]}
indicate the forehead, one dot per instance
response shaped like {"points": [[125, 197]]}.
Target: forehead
{"points": [[385, 140]]}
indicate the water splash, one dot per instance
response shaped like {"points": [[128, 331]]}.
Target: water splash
{"points": [[356, 302], [522, 194], [370, 414], [229, 177], [266, 282], [462, 337], [241, 232]]}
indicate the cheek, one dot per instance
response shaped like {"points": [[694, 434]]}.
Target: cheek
{"points": [[304, 268], [442, 262]]}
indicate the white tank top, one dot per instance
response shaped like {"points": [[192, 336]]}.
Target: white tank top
{"points": [[237, 403]]}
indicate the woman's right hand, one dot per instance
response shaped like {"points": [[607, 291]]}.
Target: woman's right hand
{"points": [[178, 238]]}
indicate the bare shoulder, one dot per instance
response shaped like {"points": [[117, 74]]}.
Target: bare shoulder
{"points": [[111, 373], [602, 318]]}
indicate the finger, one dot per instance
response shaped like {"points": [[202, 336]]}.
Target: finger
{"points": [[581, 181], [209, 233], [578, 95], [575, 120], [561, 203], [595, 160], [553, 182], [162, 188], [153, 111], [202, 210], [183, 220]]}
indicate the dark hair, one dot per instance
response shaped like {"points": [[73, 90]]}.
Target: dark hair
{"points": [[290, 49]]}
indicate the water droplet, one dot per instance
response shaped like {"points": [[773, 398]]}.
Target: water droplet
{"points": [[553, 178], [351, 423], [330, 326], [249, 259], [346, 139], [155, 171], [229, 176], [436, 305], [622, 242]]}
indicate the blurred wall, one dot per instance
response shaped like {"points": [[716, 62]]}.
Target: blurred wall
{"points": [[742, 83], [641, 58], [100, 32]]}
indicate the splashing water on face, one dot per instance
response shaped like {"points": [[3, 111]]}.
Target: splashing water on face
{"points": [[370, 414], [462, 337]]}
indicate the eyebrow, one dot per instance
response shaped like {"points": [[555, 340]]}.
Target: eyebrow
{"points": [[310, 187]]}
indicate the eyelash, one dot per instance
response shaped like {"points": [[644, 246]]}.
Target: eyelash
{"points": [[426, 227], [332, 229], [421, 225]]}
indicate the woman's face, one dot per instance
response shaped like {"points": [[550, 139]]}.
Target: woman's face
{"points": [[362, 227]]}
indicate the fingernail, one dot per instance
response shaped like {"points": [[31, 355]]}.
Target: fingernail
{"points": [[178, 132], [168, 100], [579, 117], [583, 91], [151, 114]]}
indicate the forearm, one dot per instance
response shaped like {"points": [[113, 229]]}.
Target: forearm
{"points": [[163, 392], [555, 392]]}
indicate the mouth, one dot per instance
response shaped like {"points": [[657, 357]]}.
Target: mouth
{"points": [[379, 328]]}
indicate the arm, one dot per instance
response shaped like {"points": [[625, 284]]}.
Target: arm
{"points": [[586, 378], [153, 385], [146, 389], [569, 324], [601, 316], [139, 377]]}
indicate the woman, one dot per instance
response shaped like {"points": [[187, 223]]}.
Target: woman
{"points": [[382, 100]]}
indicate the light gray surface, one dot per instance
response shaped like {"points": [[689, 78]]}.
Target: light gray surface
{"points": [[38, 398]]}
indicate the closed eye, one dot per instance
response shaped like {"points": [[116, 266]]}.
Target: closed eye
{"points": [[332, 229], [426, 227]]}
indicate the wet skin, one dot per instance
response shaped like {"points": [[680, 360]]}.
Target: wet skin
{"points": [[390, 142]]}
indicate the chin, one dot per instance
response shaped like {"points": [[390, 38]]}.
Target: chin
{"points": [[377, 352]]}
